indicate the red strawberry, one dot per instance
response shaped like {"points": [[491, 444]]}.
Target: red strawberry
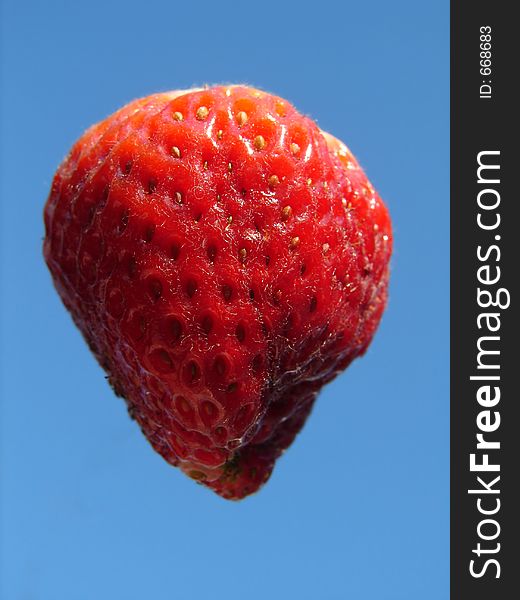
{"points": [[224, 259]]}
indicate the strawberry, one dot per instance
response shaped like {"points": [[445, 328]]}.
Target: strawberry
{"points": [[224, 259]]}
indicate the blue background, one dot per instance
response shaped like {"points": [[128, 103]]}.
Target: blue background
{"points": [[358, 507]]}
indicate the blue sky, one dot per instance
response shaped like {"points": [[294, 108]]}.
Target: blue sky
{"points": [[358, 508]]}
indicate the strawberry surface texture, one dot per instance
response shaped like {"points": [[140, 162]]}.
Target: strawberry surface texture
{"points": [[224, 259]]}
